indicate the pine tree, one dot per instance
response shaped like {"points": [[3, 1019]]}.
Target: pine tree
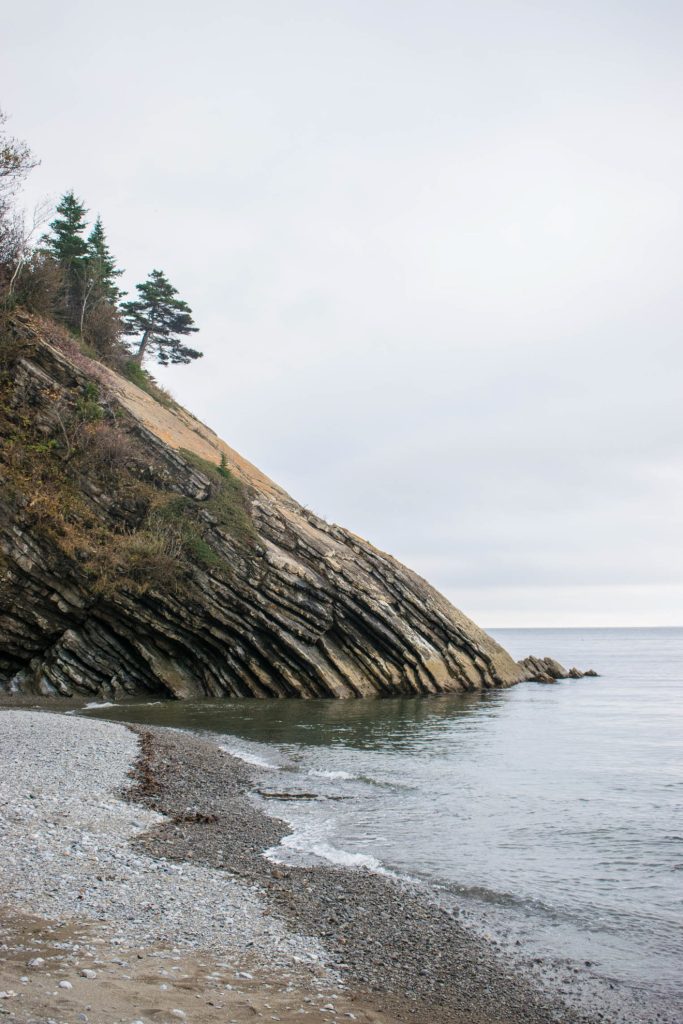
{"points": [[162, 320], [102, 268]]}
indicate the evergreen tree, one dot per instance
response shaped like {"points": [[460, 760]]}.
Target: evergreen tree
{"points": [[68, 246], [102, 268], [67, 243], [162, 320]]}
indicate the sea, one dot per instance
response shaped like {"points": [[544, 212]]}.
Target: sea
{"points": [[547, 815]]}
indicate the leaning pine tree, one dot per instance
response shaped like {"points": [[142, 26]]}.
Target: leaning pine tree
{"points": [[161, 320]]}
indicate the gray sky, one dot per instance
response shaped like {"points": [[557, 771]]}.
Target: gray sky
{"points": [[435, 252]]}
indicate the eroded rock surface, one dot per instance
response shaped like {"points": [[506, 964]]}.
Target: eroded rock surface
{"points": [[547, 670], [141, 554]]}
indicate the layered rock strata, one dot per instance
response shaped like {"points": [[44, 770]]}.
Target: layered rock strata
{"points": [[142, 555], [548, 670]]}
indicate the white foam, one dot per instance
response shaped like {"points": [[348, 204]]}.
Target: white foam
{"points": [[308, 844], [249, 758], [322, 774], [95, 704], [344, 857]]}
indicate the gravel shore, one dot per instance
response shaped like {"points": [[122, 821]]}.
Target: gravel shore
{"points": [[68, 845], [80, 896], [410, 958], [169, 865]]}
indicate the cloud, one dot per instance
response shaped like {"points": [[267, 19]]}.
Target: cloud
{"points": [[435, 254]]}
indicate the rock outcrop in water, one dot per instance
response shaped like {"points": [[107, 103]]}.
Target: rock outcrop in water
{"points": [[547, 670], [142, 555]]}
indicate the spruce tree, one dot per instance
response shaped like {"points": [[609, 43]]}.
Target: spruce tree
{"points": [[67, 243], [68, 246], [162, 320], [102, 268]]}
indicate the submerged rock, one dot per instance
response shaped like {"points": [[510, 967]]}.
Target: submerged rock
{"points": [[142, 555]]}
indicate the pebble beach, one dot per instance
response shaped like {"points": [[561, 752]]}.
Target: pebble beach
{"points": [[134, 889]]}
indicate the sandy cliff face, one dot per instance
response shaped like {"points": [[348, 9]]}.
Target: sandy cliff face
{"points": [[132, 563]]}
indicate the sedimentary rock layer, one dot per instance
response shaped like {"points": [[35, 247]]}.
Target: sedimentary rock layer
{"points": [[242, 593]]}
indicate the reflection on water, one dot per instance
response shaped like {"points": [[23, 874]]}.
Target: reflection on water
{"points": [[549, 812], [364, 724]]}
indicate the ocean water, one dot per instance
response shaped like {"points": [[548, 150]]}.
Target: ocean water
{"points": [[549, 814]]}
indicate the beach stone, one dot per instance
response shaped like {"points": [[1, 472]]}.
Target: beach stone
{"points": [[87, 973], [101, 831], [65, 984]]}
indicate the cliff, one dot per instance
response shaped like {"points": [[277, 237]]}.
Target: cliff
{"points": [[142, 555]]}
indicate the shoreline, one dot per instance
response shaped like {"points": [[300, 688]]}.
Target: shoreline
{"points": [[378, 948], [157, 936], [381, 948]]}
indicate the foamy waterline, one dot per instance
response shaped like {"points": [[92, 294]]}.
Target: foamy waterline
{"points": [[319, 773], [302, 842], [249, 758]]}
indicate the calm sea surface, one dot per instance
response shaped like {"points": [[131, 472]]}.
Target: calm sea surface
{"points": [[550, 813]]}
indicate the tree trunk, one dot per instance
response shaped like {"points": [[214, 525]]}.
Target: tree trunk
{"points": [[85, 304], [140, 354]]}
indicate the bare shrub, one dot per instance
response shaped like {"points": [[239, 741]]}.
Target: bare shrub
{"points": [[39, 285], [102, 333], [11, 239], [107, 450], [16, 160]]}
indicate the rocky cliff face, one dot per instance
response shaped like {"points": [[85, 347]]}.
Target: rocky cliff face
{"points": [[141, 555]]}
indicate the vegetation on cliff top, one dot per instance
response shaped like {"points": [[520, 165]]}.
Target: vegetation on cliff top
{"points": [[70, 275], [71, 461], [131, 567], [79, 475]]}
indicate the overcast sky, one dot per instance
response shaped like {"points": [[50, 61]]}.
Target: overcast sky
{"points": [[435, 251]]}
